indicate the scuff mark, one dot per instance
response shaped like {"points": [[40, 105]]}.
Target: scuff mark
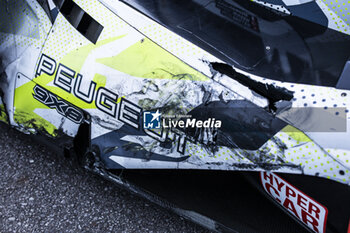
{"points": [[109, 149], [108, 123]]}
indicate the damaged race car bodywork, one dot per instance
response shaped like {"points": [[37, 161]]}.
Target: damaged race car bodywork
{"points": [[210, 85]]}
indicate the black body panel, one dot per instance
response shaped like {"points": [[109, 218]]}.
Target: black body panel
{"points": [[257, 39]]}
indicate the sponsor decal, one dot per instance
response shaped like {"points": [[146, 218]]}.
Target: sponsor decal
{"points": [[297, 203]]}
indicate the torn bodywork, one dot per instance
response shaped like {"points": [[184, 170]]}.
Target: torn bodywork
{"points": [[240, 85]]}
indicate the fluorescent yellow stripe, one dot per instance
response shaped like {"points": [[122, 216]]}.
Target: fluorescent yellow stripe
{"points": [[25, 104], [148, 60], [296, 134]]}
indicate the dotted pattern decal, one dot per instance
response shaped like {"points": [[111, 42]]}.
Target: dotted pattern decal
{"points": [[329, 163], [337, 18], [27, 26], [113, 26], [341, 155], [340, 13], [279, 8], [300, 157], [63, 38]]}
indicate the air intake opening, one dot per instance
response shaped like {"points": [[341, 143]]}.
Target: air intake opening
{"points": [[81, 20]]}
